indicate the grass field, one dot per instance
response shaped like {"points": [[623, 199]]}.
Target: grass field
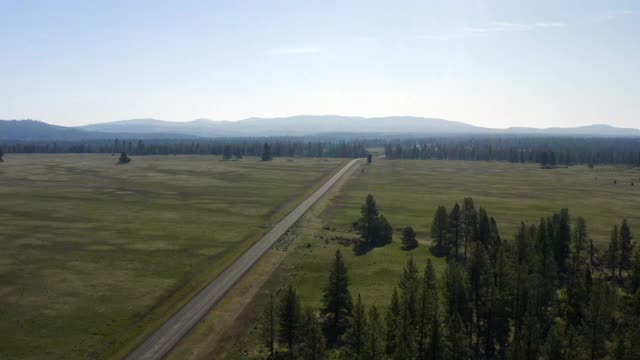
{"points": [[93, 255], [408, 192]]}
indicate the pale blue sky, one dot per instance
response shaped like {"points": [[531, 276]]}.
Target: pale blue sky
{"points": [[490, 63]]}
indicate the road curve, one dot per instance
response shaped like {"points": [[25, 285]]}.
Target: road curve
{"points": [[158, 344]]}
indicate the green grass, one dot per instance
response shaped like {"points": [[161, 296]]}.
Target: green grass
{"points": [[93, 255], [408, 192]]}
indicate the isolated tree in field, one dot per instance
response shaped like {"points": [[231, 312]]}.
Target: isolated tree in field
{"points": [[1, 155], [312, 346], [368, 158], [612, 252], [124, 158], [368, 225], [355, 337], [626, 248], [469, 222], [266, 152], [455, 229], [440, 228], [337, 306], [289, 319], [374, 346], [268, 326], [409, 240], [386, 231]]}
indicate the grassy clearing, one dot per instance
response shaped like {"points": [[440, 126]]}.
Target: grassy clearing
{"points": [[408, 193], [93, 255]]}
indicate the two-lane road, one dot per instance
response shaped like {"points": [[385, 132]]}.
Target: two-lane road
{"points": [[158, 344]]}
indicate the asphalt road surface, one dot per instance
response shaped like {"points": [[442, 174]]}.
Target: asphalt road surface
{"points": [[158, 344]]}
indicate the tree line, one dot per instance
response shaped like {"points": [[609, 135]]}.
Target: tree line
{"points": [[544, 294], [228, 148], [544, 150]]}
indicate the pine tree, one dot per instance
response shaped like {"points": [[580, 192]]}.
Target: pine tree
{"points": [[355, 337], [386, 236], [626, 249], [312, 346], [469, 222], [479, 274], [598, 318], [458, 343], [406, 337], [561, 239], [409, 288], [580, 237], [289, 319], [337, 304], [409, 238], [634, 273], [368, 226], [484, 227], [612, 252], [392, 320], [436, 344], [374, 346], [440, 229], [455, 229], [427, 309], [268, 326]]}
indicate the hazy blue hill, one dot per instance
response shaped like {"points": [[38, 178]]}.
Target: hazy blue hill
{"points": [[301, 125]]}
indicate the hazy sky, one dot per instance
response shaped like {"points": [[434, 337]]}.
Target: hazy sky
{"points": [[490, 63]]}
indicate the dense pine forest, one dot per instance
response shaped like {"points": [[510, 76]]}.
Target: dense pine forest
{"points": [[229, 148], [548, 151], [545, 293], [544, 150]]}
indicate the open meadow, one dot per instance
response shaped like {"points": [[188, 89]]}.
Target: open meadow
{"points": [[408, 192], [93, 255]]}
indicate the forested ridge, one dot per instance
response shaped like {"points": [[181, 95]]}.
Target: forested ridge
{"points": [[545, 293]]}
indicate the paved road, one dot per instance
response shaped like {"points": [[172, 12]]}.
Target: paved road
{"points": [[158, 344]]}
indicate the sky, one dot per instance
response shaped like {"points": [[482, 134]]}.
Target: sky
{"points": [[535, 63]]}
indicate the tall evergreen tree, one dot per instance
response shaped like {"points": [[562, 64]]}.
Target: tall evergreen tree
{"points": [[313, 344], [613, 252], [386, 231], [289, 319], [355, 337], [337, 306], [561, 239], [634, 273], [598, 318], [268, 326], [469, 222], [427, 309], [484, 227], [406, 337], [368, 224], [409, 288], [626, 249], [480, 280], [440, 229], [392, 320], [580, 237], [374, 346], [455, 230]]}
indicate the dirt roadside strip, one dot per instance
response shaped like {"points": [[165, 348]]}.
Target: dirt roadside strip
{"points": [[160, 342]]}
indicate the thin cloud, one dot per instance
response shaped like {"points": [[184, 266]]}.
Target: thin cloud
{"points": [[296, 50], [492, 28]]}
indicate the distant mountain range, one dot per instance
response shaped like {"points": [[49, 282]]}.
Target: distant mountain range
{"points": [[303, 125]]}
